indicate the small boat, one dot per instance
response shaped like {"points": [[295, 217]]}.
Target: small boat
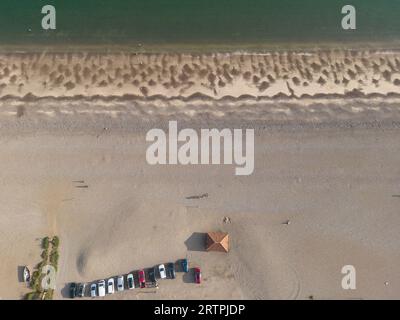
{"points": [[27, 274]]}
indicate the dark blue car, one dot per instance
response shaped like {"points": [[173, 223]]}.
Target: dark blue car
{"points": [[171, 270], [185, 265]]}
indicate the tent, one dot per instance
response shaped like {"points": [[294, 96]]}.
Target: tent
{"points": [[217, 241]]}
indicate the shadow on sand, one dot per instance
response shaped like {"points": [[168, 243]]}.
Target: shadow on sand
{"points": [[20, 273], [65, 291], [196, 242], [188, 277]]}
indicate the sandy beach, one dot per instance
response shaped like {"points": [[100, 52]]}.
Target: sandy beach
{"points": [[335, 186], [326, 159]]}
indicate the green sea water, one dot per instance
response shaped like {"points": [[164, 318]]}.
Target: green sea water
{"points": [[197, 22]]}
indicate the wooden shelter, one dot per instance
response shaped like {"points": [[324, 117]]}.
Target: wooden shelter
{"points": [[217, 241]]}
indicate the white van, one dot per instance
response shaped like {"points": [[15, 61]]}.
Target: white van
{"points": [[161, 269], [102, 288], [110, 286]]}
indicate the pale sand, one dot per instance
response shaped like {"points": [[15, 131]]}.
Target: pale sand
{"points": [[328, 163], [334, 184]]}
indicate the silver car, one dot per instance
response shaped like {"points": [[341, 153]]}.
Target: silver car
{"points": [[120, 283], [93, 290], [110, 286]]}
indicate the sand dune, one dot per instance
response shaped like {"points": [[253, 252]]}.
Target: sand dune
{"points": [[273, 75]]}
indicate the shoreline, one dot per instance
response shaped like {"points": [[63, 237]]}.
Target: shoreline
{"points": [[201, 47]]}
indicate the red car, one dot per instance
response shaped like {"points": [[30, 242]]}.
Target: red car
{"points": [[142, 279], [197, 275]]}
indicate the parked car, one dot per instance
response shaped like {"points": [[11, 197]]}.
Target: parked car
{"points": [[171, 270], [130, 281], [102, 288], [161, 269], [197, 275], [93, 290], [26, 274], [110, 286], [152, 274], [142, 279], [81, 289], [120, 283], [72, 290], [185, 265]]}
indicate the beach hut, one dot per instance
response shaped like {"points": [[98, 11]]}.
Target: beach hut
{"points": [[217, 241]]}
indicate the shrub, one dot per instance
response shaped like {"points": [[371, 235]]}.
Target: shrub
{"points": [[34, 278], [37, 276], [55, 241], [37, 284], [48, 295], [45, 243], [32, 296], [40, 265], [44, 255], [54, 258]]}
